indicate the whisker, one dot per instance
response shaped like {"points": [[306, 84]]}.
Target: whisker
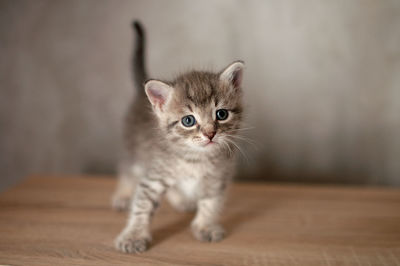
{"points": [[248, 140], [241, 129], [245, 139], [223, 147], [228, 148], [240, 150]]}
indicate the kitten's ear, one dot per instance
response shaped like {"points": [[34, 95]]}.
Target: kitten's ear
{"points": [[158, 93], [233, 74]]}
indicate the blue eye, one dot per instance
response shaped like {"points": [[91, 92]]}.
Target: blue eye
{"points": [[222, 114], [188, 121]]}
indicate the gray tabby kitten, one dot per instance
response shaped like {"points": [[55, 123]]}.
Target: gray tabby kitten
{"points": [[183, 148]]}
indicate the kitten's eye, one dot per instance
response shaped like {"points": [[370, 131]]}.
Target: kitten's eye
{"points": [[188, 121], [222, 114]]}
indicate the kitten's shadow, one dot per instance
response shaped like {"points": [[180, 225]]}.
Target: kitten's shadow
{"points": [[236, 220], [173, 228], [242, 216], [231, 221]]}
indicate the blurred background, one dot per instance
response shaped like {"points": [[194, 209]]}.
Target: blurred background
{"points": [[322, 82]]}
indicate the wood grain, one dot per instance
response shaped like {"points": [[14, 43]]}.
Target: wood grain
{"points": [[68, 221]]}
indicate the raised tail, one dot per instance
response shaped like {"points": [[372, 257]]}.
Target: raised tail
{"points": [[138, 59]]}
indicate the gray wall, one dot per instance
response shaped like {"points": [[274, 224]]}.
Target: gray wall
{"points": [[322, 82]]}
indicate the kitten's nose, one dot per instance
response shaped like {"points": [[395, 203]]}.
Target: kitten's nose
{"points": [[210, 134]]}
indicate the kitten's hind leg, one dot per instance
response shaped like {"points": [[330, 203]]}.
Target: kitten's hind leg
{"points": [[127, 181], [122, 196], [179, 201]]}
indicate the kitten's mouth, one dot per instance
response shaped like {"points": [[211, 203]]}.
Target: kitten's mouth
{"points": [[210, 142], [207, 143]]}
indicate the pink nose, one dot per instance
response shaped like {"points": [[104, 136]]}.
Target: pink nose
{"points": [[209, 135]]}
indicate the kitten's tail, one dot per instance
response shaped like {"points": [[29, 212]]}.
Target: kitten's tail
{"points": [[138, 61]]}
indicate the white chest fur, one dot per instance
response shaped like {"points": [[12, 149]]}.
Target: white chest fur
{"points": [[190, 178], [190, 187]]}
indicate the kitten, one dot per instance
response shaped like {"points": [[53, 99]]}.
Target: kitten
{"points": [[182, 148]]}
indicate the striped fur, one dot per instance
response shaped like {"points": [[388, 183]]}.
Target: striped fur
{"points": [[163, 157]]}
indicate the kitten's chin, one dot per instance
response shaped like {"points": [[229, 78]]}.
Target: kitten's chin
{"points": [[202, 146], [207, 146]]}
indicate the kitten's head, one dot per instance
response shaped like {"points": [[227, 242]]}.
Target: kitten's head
{"points": [[199, 109]]}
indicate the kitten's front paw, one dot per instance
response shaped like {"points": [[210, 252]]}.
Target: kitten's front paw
{"points": [[208, 233], [131, 243]]}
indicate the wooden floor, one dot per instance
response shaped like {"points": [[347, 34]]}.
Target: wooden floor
{"points": [[68, 221]]}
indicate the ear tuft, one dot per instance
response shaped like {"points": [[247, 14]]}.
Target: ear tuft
{"points": [[158, 92], [233, 74]]}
